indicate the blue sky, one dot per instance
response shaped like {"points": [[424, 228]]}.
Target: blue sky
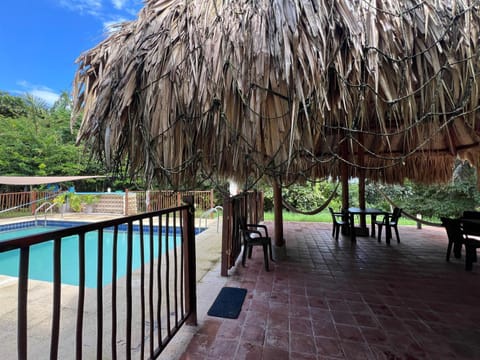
{"points": [[41, 39]]}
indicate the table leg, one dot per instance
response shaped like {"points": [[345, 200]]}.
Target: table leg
{"points": [[372, 223], [388, 234], [352, 228]]}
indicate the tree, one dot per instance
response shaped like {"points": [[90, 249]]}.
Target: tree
{"points": [[39, 142], [36, 110], [11, 106], [432, 201]]}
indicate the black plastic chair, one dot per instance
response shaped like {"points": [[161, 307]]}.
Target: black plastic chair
{"points": [[455, 237], [255, 235], [392, 223], [471, 239], [339, 219], [471, 214]]}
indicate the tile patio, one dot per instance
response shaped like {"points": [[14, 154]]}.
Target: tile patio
{"points": [[338, 300]]}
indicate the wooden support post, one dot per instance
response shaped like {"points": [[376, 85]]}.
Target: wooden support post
{"points": [[278, 215], [361, 179], [227, 234], [344, 182], [190, 261], [344, 176]]}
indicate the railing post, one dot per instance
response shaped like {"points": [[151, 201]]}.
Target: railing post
{"points": [[147, 201], [226, 235], [212, 203], [261, 207], [190, 261], [33, 200], [125, 203], [22, 304], [255, 206]]}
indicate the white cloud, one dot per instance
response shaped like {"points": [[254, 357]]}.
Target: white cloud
{"points": [[104, 9], [119, 4], [91, 7], [46, 95], [41, 92]]}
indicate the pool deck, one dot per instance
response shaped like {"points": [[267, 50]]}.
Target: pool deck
{"points": [[67, 217], [40, 299]]}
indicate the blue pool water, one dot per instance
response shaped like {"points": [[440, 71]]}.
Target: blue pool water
{"points": [[41, 255]]}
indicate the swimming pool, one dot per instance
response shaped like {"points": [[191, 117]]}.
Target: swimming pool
{"points": [[41, 255]]}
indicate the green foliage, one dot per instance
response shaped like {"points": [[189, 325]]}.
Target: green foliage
{"points": [[400, 194], [37, 141], [60, 199], [305, 197], [75, 201], [12, 106], [89, 199], [432, 201]]}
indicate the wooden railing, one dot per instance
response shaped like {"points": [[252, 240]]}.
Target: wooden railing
{"points": [[135, 316], [122, 203], [248, 205], [153, 200], [23, 203]]}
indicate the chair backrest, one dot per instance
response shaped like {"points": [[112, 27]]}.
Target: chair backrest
{"points": [[453, 228], [242, 222], [470, 214], [397, 212], [242, 227], [333, 215], [470, 228]]}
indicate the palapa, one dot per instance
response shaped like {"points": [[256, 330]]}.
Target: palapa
{"points": [[276, 87]]}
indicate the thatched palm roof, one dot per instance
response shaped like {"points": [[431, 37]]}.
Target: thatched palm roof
{"points": [[286, 88]]}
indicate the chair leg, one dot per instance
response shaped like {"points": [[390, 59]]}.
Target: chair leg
{"points": [[250, 249], [449, 250], [265, 255], [271, 252], [470, 254], [396, 233], [244, 255], [380, 233], [457, 250], [337, 232]]}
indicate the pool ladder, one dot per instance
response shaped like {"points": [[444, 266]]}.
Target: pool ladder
{"points": [[41, 207], [207, 214]]}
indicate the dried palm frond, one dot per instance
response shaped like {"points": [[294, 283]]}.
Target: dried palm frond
{"points": [[271, 87]]}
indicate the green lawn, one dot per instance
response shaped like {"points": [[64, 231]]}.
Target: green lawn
{"points": [[325, 216]]}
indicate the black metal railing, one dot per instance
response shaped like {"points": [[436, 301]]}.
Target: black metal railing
{"points": [[140, 301]]}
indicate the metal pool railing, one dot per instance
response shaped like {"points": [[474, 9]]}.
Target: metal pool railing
{"points": [[135, 316]]}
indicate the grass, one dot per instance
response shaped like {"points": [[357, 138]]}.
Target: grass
{"points": [[290, 216], [325, 216], [14, 214]]}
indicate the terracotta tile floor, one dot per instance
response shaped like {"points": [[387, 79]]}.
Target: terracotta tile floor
{"points": [[338, 300]]}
